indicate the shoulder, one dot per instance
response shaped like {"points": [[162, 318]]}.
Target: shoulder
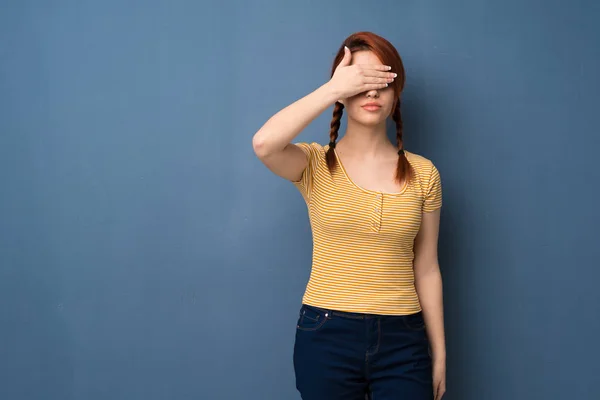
{"points": [[314, 151], [426, 175], [422, 166], [312, 147]]}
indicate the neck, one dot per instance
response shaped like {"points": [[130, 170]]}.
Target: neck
{"points": [[368, 141]]}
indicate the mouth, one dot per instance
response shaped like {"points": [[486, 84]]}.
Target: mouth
{"points": [[372, 107]]}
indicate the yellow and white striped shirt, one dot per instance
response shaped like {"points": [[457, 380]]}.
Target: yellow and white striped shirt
{"points": [[363, 239]]}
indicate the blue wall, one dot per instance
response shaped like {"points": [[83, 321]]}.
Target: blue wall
{"points": [[145, 253]]}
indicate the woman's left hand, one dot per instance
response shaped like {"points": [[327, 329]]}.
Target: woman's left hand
{"points": [[439, 379]]}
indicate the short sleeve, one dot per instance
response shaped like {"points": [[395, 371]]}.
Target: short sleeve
{"points": [[433, 194], [306, 181]]}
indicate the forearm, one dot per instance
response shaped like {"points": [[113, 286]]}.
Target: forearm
{"points": [[428, 284], [285, 125]]}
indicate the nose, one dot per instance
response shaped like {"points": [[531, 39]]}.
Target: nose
{"points": [[373, 93]]}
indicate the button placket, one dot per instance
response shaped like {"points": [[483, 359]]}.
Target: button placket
{"points": [[377, 210]]}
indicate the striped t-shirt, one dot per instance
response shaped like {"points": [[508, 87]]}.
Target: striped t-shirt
{"points": [[363, 239]]}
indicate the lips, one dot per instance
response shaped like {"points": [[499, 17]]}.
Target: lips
{"points": [[371, 106]]}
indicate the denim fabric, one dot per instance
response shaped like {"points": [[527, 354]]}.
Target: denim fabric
{"points": [[347, 356]]}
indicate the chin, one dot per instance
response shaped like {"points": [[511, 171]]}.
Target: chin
{"points": [[369, 120]]}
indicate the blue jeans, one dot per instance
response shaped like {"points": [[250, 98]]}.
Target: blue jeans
{"points": [[346, 356]]}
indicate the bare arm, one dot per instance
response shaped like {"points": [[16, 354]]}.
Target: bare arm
{"points": [[272, 143], [428, 280], [428, 283]]}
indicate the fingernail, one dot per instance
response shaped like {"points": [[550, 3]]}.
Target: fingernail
{"points": [[389, 67], [395, 75]]}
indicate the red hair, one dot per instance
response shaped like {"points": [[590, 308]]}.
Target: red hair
{"points": [[387, 53]]}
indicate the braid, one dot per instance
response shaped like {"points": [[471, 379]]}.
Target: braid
{"points": [[397, 116], [404, 170], [338, 110]]}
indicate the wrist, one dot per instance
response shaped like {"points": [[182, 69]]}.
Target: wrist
{"points": [[332, 94]]}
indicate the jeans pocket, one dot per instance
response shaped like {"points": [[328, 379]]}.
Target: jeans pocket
{"points": [[311, 318]]}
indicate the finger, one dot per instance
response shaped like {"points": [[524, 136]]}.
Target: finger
{"points": [[375, 67], [375, 86], [439, 392], [347, 58], [379, 74], [371, 80]]}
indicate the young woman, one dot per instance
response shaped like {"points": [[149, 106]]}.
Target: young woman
{"points": [[371, 321]]}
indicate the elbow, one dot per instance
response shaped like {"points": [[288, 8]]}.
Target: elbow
{"points": [[258, 145], [426, 269]]}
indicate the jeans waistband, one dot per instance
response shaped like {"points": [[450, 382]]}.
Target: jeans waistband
{"points": [[355, 315]]}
